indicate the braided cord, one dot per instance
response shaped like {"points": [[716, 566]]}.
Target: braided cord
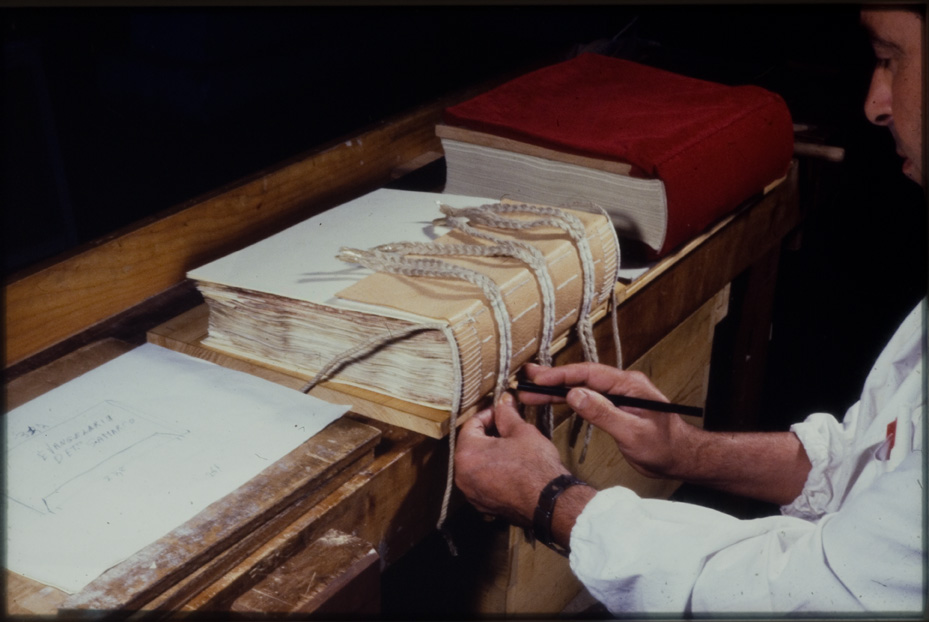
{"points": [[422, 259], [396, 261]]}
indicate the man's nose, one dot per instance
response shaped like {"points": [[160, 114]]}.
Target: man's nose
{"points": [[877, 104]]}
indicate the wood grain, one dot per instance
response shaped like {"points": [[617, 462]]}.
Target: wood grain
{"points": [[239, 522], [393, 504], [337, 575]]}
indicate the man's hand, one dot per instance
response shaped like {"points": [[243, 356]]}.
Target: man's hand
{"points": [[770, 466], [503, 475], [651, 442]]}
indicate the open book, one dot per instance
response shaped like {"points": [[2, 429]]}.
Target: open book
{"points": [[289, 303]]}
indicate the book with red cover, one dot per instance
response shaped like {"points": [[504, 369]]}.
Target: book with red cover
{"points": [[713, 146]]}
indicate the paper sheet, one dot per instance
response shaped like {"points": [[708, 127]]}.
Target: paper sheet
{"points": [[301, 263], [106, 464]]}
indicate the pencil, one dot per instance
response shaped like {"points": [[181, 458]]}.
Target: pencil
{"points": [[618, 400]]}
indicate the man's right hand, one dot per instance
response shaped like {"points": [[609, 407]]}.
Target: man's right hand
{"points": [[664, 445], [651, 442]]}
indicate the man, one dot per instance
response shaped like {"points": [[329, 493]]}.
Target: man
{"points": [[850, 537]]}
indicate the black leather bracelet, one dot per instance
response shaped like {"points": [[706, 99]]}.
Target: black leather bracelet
{"points": [[542, 518]]}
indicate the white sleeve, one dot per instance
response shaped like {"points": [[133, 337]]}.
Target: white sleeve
{"points": [[826, 442], [661, 557]]}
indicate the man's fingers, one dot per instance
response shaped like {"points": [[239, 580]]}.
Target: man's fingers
{"points": [[598, 410], [596, 376], [477, 426], [506, 417]]}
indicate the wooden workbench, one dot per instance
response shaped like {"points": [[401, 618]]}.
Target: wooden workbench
{"points": [[71, 314]]}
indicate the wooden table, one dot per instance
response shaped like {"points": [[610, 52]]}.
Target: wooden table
{"points": [[74, 313]]}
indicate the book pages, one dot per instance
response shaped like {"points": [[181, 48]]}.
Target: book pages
{"points": [[637, 207]]}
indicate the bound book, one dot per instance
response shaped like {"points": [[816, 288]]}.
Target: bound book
{"points": [[289, 303], [664, 154]]}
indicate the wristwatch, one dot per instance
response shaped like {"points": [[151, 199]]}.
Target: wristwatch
{"points": [[542, 518]]}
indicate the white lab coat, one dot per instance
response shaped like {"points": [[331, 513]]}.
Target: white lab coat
{"points": [[852, 541]]}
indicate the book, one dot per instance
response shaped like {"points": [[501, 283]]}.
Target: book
{"points": [[665, 155], [289, 303]]}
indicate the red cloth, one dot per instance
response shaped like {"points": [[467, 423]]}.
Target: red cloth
{"points": [[712, 145]]}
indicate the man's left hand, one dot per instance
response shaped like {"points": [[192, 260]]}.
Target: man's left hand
{"points": [[504, 474]]}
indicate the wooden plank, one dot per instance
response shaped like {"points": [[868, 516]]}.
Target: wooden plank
{"points": [[239, 522], [393, 504], [26, 598], [217, 568], [55, 301], [337, 575]]}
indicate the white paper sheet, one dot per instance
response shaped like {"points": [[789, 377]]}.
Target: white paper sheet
{"points": [[300, 262], [106, 464]]}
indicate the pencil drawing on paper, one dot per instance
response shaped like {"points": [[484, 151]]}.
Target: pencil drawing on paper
{"points": [[52, 464]]}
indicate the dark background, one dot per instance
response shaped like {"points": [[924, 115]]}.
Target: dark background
{"points": [[113, 114]]}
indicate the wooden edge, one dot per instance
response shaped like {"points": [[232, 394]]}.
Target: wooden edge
{"points": [[366, 505], [51, 303], [224, 565], [235, 522], [337, 573]]}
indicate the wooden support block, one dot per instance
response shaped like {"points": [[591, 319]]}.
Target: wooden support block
{"points": [[337, 575]]}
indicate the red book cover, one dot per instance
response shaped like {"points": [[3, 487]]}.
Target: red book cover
{"points": [[713, 145]]}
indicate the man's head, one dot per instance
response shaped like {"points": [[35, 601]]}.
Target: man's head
{"points": [[895, 99]]}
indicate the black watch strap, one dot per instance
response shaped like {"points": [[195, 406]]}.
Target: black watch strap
{"points": [[542, 519]]}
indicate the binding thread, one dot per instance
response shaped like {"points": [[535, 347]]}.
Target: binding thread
{"points": [[424, 259]]}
